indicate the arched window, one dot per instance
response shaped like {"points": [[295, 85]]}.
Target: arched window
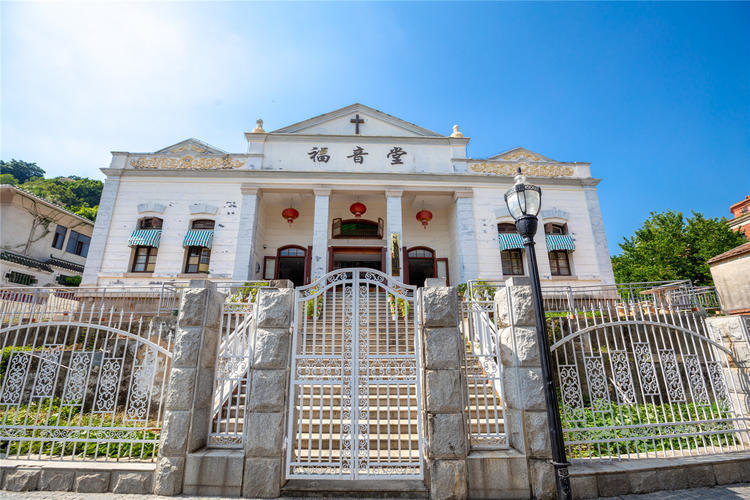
{"points": [[421, 253], [511, 254], [551, 228], [198, 242], [150, 223], [291, 252], [202, 224], [559, 261]]}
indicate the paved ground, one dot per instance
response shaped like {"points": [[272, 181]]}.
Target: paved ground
{"points": [[731, 492]]}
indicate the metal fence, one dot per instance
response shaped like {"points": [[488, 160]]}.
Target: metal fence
{"points": [[20, 305], [483, 372], [235, 345], [657, 295], [83, 372], [639, 380]]}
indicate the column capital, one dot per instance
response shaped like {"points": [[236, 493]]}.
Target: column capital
{"points": [[394, 193], [464, 193], [322, 191], [249, 189]]}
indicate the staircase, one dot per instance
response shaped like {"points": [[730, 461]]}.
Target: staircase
{"points": [[325, 407], [385, 406]]}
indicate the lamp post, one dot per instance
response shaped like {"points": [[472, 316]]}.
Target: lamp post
{"points": [[524, 201]]}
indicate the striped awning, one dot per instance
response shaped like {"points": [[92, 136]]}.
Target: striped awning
{"points": [[145, 238], [199, 238], [509, 240], [559, 242]]}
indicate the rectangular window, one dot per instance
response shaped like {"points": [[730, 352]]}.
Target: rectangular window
{"points": [[558, 263], [197, 260], [78, 244], [512, 262], [20, 278], [269, 268], [59, 238], [144, 259]]}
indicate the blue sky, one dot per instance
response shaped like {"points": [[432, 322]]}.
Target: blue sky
{"points": [[655, 95]]}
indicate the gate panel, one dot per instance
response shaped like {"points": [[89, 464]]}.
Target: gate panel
{"points": [[354, 386]]}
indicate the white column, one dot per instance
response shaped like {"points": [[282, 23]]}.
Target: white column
{"points": [[466, 242], [319, 264], [597, 230], [101, 228], [393, 225], [243, 256]]}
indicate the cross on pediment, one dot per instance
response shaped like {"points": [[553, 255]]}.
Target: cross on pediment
{"points": [[356, 121]]}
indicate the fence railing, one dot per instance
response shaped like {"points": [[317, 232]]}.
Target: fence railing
{"points": [[20, 305], [83, 372], [483, 373], [234, 348], [672, 295], [637, 381]]}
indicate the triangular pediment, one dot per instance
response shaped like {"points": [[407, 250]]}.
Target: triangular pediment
{"points": [[343, 121], [519, 153], [192, 146]]}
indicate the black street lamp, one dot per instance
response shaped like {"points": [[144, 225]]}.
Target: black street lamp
{"points": [[524, 201]]}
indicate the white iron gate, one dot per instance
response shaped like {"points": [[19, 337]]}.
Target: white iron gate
{"points": [[354, 391]]}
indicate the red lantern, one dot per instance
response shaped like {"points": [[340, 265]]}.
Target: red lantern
{"points": [[290, 214], [358, 209], [424, 216]]}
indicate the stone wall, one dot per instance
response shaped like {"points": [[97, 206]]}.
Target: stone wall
{"points": [[525, 410], [446, 435], [187, 404], [266, 403]]}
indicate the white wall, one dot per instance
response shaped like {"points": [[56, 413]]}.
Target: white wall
{"points": [[177, 196], [489, 204]]}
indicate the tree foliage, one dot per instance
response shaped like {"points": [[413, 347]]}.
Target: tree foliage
{"points": [[77, 194], [21, 170], [669, 246], [8, 179]]}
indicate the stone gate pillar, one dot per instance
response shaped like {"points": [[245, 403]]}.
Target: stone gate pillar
{"points": [[266, 401], [446, 437], [187, 405], [733, 332], [523, 387]]}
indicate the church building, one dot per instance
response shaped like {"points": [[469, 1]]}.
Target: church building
{"points": [[354, 187]]}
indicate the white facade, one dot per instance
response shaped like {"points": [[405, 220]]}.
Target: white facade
{"points": [[29, 252], [245, 194]]}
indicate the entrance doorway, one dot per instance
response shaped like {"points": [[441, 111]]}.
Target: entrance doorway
{"points": [[420, 263], [346, 257], [291, 264]]}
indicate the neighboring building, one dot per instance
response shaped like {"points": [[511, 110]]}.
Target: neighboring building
{"points": [[731, 274], [740, 220], [41, 244], [357, 188]]}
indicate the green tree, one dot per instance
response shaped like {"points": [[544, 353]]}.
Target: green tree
{"points": [[79, 195], [669, 247], [8, 179], [21, 170]]}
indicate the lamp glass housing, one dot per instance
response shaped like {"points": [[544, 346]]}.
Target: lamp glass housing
{"points": [[523, 199]]}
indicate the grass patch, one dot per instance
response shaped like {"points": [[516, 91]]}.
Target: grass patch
{"points": [[637, 435], [70, 420]]}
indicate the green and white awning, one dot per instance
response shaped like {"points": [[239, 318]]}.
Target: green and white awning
{"points": [[199, 238], [145, 238], [559, 242], [509, 240]]}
